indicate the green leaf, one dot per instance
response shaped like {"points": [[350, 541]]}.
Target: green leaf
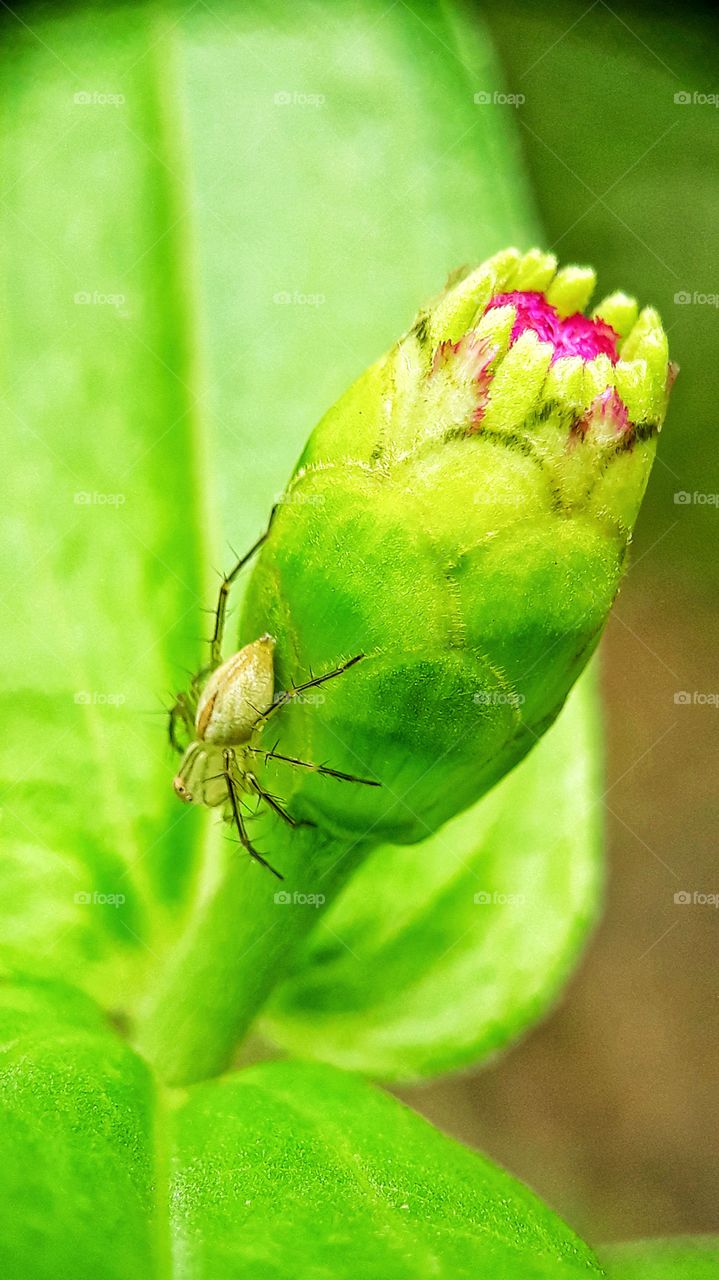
{"points": [[77, 1161], [677, 1259], [280, 1171], [104, 560], [439, 954], [393, 1196]]}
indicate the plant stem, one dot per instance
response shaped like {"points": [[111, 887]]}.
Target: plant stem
{"points": [[242, 941]]}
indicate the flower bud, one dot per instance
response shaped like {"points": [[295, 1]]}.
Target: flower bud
{"points": [[461, 517]]}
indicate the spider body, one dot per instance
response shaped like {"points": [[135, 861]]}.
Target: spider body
{"points": [[232, 701], [221, 718], [237, 694]]}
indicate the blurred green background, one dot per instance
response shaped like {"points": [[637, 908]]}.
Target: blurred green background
{"points": [[608, 1108]]}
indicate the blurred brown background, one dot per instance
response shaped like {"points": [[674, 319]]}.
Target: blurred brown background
{"points": [[609, 1109]]}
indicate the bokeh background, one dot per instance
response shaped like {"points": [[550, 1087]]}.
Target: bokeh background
{"points": [[608, 1109]]}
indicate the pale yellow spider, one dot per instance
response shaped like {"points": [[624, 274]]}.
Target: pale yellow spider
{"points": [[224, 711]]}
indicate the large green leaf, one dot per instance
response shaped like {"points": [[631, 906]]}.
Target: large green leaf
{"points": [[280, 1171], [78, 1176], [678, 1259], [437, 955], [103, 564]]}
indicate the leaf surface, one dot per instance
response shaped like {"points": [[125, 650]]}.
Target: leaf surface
{"points": [[280, 1170]]}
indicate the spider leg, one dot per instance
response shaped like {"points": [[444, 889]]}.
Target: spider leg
{"points": [[221, 607], [228, 758], [197, 682], [274, 804], [322, 769], [181, 712], [298, 689]]}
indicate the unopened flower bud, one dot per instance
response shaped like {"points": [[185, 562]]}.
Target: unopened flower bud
{"points": [[461, 517]]}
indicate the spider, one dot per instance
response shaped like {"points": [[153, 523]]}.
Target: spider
{"points": [[225, 710]]}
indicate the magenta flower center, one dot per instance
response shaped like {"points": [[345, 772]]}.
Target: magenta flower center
{"points": [[575, 335]]}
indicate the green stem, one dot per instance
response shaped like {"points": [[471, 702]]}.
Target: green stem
{"points": [[244, 937]]}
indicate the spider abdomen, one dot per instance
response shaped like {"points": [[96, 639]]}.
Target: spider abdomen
{"points": [[237, 694]]}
